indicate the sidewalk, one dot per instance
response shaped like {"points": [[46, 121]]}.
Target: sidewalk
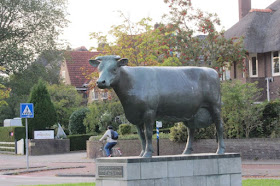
{"points": [[261, 169], [74, 163]]}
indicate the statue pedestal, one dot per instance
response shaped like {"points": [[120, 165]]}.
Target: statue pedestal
{"points": [[174, 170]]}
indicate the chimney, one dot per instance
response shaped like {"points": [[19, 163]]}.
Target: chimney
{"points": [[244, 7]]}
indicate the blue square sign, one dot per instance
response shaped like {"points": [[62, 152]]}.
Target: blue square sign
{"points": [[26, 110]]}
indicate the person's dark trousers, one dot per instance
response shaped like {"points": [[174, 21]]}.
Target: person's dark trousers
{"points": [[108, 147]]}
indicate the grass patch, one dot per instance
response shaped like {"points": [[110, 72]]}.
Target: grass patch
{"points": [[261, 182], [69, 184]]}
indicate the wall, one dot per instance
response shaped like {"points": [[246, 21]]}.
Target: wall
{"points": [[48, 146], [257, 148]]}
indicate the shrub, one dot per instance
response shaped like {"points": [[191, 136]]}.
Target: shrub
{"points": [[44, 112], [125, 129], [102, 114], [240, 115], [78, 142], [76, 119], [271, 119], [178, 133], [18, 133]]}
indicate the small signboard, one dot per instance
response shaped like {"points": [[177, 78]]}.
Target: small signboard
{"points": [[158, 124], [44, 134], [26, 110]]}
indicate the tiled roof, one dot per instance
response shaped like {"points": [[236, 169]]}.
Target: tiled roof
{"points": [[79, 67]]}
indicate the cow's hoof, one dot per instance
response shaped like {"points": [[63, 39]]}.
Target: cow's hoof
{"points": [[147, 155], [220, 151], [142, 153], [187, 151]]}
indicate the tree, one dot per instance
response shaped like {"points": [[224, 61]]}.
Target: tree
{"points": [[136, 41], [28, 27], [66, 100], [101, 114], [76, 120], [44, 111], [20, 84], [192, 37], [240, 113], [4, 93]]}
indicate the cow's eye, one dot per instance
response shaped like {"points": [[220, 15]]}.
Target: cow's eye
{"points": [[114, 70]]}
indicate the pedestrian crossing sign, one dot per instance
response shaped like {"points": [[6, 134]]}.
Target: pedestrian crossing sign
{"points": [[26, 110]]}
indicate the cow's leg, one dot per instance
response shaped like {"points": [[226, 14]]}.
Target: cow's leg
{"points": [[141, 133], [219, 127], [189, 149], [149, 120]]}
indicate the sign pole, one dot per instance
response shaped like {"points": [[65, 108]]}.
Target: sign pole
{"points": [[158, 125], [26, 144], [26, 111], [157, 141]]}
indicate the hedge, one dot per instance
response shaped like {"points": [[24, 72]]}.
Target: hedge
{"points": [[78, 141], [18, 133]]}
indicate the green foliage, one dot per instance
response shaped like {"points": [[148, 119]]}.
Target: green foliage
{"points": [[44, 111], [178, 133], [102, 114], [210, 48], [271, 119], [18, 133], [78, 142], [27, 28], [20, 84], [66, 100], [136, 41], [240, 114], [125, 129], [206, 133], [76, 120]]}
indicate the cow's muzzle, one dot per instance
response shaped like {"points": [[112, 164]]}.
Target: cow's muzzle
{"points": [[101, 84]]}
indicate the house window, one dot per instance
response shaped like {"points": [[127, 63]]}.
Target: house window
{"points": [[63, 74], [253, 65], [105, 95], [95, 95], [275, 63], [225, 72]]}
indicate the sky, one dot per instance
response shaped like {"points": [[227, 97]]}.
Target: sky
{"points": [[87, 16]]}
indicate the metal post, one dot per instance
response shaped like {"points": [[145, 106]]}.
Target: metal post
{"points": [[26, 144], [267, 89], [157, 141]]}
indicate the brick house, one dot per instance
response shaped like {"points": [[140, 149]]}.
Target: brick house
{"points": [[261, 31], [74, 70]]}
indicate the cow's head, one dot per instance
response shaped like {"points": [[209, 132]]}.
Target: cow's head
{"points": [[109, 69]]}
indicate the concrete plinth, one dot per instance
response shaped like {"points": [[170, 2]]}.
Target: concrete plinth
{"points": [[177, 170]]}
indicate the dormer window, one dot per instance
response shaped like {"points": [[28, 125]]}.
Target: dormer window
{"points": [[275, 63]]}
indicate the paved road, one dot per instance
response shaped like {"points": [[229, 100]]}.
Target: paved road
{"points": [[79, 169]]}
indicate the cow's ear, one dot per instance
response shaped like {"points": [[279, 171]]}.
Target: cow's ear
{"points": [[122, 62], [94, 62]]}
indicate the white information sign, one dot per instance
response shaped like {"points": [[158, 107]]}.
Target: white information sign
{"points": [[44, 134], [158, 124]]}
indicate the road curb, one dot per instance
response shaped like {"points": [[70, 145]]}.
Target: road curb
{"points": [[17, 172]]}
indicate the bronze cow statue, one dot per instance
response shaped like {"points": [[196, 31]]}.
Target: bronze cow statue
{"points": [[178, 94]]}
